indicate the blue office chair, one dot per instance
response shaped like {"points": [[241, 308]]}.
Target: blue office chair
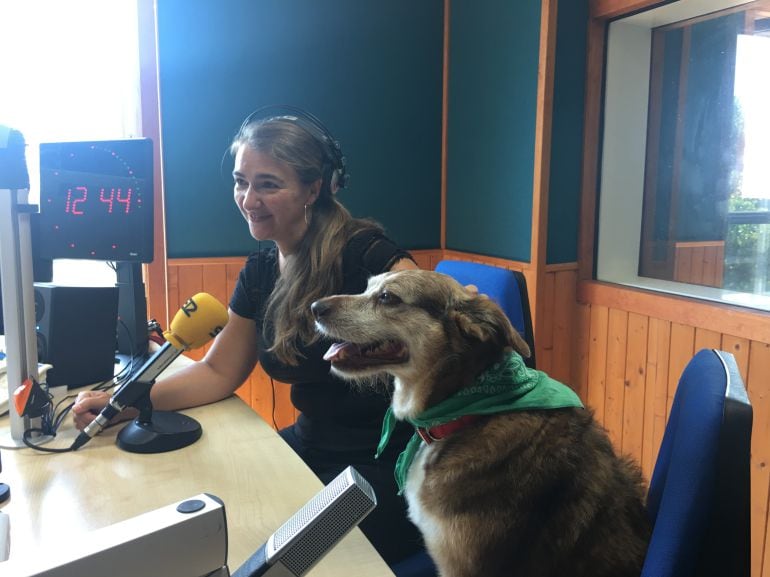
{"points": [[508, 288], [700, 489]]}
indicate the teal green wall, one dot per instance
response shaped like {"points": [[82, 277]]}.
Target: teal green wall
{"points": [[371, 70], [493, 64], [567, 131]]}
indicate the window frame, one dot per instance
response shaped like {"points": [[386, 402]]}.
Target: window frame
{"points": [[599, 212]]}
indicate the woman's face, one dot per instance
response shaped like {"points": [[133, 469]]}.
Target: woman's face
{"points": [[271, 198]]}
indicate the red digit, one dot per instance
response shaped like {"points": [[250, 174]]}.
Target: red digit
{"points": [[126, 200], [83, 197], [107, 200]]}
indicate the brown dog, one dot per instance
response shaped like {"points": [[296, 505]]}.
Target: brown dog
{"points": [[516, 491]]}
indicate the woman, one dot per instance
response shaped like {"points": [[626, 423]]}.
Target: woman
{"points": [[285, 183]]}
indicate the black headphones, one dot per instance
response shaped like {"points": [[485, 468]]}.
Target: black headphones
{"points": [[334, 171]]}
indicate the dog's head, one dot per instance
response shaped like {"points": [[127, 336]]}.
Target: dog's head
{"points": [[432, 334]]}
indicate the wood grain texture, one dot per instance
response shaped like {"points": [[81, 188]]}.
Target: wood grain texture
{"points": [[667, 348], [59, 499]]}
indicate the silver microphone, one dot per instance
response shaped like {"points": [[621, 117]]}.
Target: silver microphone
{"points": [[314, 530]]}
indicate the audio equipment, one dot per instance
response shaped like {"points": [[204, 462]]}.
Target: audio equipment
{"points": [[76, 333], [133, 338], [335, 173], [199, 320], [186, 538], [42, 268], [314, 530]]}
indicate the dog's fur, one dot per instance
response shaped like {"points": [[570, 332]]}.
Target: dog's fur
{"points": [[529, 493]]}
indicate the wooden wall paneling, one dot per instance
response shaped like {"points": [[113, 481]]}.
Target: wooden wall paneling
{"points": [[564, 336], [426, 259], [581, 352], [225, 273], [739, 347], [758, 385], [172, 295], [699, 262], [713, 265], [216, 283], [617, 340], [751, 324], [597, 359], [634, 407], [682, 350], [544, 340], [719, 266], [655, 392], [190, 282], [707, 339], [683, 266]]}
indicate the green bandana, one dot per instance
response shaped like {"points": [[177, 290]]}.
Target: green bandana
{"points": [[505, 386]]}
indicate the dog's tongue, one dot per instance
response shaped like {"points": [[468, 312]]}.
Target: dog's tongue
{"points": [[339, 351]]}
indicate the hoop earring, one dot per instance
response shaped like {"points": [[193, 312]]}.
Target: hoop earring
{"points": [[307, 220]]}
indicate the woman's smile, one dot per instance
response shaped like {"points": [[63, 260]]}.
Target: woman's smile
{"points": [[257, 217]]}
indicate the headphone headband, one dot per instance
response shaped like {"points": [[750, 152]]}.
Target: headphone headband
{"points": [[338, 176]]}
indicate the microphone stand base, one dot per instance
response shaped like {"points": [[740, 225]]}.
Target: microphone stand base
{"points": [[165, 431]]}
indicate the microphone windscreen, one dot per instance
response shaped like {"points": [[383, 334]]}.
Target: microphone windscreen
{"points": [[301, 542], [199, 320]]}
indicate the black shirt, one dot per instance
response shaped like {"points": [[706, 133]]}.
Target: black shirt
{"points": [[335, 415]]}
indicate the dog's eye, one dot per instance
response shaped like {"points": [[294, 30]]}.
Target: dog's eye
{"points": [[388, 298]]}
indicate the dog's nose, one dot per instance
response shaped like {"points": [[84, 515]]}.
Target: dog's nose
{"points": [[319, 309]]}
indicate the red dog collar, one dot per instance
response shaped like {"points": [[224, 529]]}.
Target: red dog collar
{"points": [[442, 431]]}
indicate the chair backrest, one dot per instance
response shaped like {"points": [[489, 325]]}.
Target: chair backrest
{"points": [[507, 288], [700, 489]]}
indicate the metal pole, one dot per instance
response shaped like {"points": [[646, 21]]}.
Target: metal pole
{"points": [[17, 284]]}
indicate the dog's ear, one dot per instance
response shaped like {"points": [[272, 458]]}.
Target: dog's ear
{"points": [[482, 319]]}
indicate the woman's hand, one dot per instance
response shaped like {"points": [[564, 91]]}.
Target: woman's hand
{"points": [[89, 404]]}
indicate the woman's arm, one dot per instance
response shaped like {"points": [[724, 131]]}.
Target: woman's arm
{"points": [[225, 367]]}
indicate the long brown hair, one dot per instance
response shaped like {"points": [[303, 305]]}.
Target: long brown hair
{"points": [[314, 269]]}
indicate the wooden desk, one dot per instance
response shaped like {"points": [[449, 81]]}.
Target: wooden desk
{"points": [[240, 459]]}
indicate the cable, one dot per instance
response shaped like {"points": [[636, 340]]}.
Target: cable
{"points": [[26, 438], [272, 385], [53, 416]]}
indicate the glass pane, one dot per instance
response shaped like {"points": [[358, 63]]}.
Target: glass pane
{"points": [[707, 174]]}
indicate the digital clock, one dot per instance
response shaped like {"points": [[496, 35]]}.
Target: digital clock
{"points": [[96, 200]]}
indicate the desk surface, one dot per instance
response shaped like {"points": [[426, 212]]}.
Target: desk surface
{"points": [[239, 458]]}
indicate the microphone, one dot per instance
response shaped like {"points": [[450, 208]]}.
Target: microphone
{"points": [[199, 320], [312, 531]]}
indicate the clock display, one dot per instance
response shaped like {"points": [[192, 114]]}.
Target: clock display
{"points": [[96, 200]]}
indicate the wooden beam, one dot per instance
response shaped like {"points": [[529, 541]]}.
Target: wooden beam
{"points": [[591, 138], [607, 9], [542, 164]]}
